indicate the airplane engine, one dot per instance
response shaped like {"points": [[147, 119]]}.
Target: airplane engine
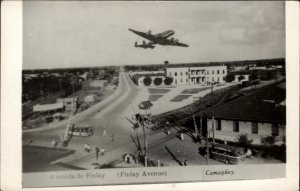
{"points": [[149, 32], [135, 44], [144, 42], [176, 40]]}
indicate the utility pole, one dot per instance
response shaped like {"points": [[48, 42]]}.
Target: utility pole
{"points": [[200, 122], [195, 124], [212, 112]]}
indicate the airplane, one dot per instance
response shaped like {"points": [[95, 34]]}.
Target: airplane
{"points": [[144, 45], [160, 38]]}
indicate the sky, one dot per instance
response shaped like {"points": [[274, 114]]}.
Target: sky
{"points": [[62, 34]]}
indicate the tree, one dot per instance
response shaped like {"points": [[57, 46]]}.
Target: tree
{"points": [[269, 140], [147, 81], [243, 140], [241, 77], [229, 77], [168, 81], [253, 77], [157, 81]]}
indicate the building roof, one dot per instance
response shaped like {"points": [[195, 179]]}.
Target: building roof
{"points": [[145, 104], [47, 107], [261, 106], [194, 65]]}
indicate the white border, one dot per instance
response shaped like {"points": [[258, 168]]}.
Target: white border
{"points": [[11, 59]]}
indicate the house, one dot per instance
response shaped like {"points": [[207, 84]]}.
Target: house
{"points": [[257, 115], [202, 74], [70, 104], [90, 98], [241, 78], [48, 107], [94, 84]]}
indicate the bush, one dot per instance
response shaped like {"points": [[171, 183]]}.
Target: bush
{"points": [[243, 140], [269, 140], [229, 78], [147, 81], [240, 78], [157, 81], [168, 81]]}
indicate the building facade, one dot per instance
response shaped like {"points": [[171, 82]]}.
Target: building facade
{"points": [[196, 75], [258, 115]]}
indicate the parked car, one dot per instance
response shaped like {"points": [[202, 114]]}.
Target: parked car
{"points": [[226, 153]]}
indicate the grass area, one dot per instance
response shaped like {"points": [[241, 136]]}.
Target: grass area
{"points": [[194, 90], [158, 90], [154, 97], [37, 159], [179, 98]]}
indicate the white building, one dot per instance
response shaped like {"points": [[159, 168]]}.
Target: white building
{"points": [[257, 115], [196, 75]]}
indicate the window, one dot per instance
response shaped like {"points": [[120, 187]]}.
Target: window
{"points": [[212, 72], [181, 80], [175, 73], [68, 102], [275, 130], [180, 73], [219, 127], [254, 127], [236, 127], [187, 80], [223, 71], [186, 73], [170, 74], [218, 72]]}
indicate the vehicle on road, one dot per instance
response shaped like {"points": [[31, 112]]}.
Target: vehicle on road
{"points": [[81, 130], [226, 153]]}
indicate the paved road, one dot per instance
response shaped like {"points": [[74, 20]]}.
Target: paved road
{"points": [[111, 118]]}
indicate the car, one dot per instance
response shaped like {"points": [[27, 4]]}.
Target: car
{"points": [[227, 153]]}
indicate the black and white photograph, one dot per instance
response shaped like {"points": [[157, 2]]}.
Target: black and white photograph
{"points": [[137, 92]]}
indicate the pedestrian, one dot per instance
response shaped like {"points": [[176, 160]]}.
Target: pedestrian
{"points": [[102, 151], [185, 162], [112, 137], [97, 150], [182, 136], [87, 147], [104, 132], [54, 143]]}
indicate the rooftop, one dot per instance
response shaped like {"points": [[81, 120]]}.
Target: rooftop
{"points": [[255, 107]]}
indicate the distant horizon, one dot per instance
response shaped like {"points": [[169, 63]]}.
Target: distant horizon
{"points": [[63, 34], [277, 58]]}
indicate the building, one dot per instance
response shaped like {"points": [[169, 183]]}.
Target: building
{"points": [[48, 107], [258, 115], [197, 74], [90, 98], [70, 104], [94, 84]]}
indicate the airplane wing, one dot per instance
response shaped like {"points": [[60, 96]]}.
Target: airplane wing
{"points": [[147, 36], [174, 43], [180, 44]]}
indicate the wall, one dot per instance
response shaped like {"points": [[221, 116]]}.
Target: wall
{"points": [[197, 75], [264, 130]]}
